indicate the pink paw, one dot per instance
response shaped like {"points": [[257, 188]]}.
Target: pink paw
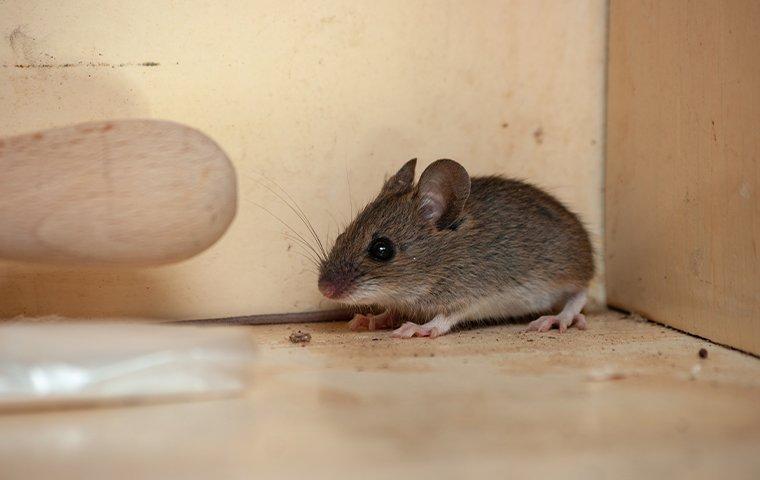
{"points": [[371, 322], [409, 330], [545, 323]]}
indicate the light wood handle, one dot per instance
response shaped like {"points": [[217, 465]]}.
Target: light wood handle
{"points": [[129, 192]]}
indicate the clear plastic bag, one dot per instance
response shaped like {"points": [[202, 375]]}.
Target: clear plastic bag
{"points": [[54, 364]]}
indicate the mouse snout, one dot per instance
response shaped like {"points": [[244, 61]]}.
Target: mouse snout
{"points": [[331, 288], [327, 288]]}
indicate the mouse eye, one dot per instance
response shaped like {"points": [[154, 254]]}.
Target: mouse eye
{"points": [[381, 249]]}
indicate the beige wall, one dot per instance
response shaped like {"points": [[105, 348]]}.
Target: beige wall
{"points": [[305, 93]]}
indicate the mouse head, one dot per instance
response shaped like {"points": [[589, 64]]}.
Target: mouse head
{"points": [[390, 253]]}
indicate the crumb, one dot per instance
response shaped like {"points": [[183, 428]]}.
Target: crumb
{"points": [[300, 337], [432, 354], [530, 339], [416, 354], [702, 353], [375, 339]]}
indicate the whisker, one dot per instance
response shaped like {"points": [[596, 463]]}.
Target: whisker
{"points": [[307, 257], [296, 209], [289, 228], [302, 244], [335, 221], [298, 237]]}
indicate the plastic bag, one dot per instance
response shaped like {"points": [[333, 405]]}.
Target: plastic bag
{"points": [[54, 364]]}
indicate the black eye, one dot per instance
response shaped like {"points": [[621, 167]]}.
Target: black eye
{"points": [[381, 249]]}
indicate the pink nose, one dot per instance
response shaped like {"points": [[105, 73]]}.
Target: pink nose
{"points": [[328, 289]]}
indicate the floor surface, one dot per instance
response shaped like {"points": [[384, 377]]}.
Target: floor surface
{"points": [[624, 399]]}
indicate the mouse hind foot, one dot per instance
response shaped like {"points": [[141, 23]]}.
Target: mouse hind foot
{"points": [[569, 316]]}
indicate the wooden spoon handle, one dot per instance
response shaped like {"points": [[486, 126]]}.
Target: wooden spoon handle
{"points": [[128, 192]]}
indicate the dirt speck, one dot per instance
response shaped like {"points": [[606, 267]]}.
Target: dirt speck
{"points": [[702, 353], [300, 337], [504, 124], [538, 135]]}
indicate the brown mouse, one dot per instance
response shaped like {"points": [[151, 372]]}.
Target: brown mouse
{"points": [[453, 248]]}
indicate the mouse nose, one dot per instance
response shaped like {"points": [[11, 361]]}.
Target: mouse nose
{"points": [[328, 289]]}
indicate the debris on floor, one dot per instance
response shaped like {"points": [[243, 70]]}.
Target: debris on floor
{"points": [[702, 353], [300, 337]]}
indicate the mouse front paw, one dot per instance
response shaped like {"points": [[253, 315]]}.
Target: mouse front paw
{"points": [[371, 321]]}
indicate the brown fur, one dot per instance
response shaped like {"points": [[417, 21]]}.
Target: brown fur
{"points": [[507, 233]]}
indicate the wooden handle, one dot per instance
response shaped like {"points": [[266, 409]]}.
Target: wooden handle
{"points": [[129, 192]]}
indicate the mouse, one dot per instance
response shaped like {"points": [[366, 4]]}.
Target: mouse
{"points": [[453, 248]]}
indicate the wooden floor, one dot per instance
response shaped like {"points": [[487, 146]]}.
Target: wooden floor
{"points": [[625, 399]]}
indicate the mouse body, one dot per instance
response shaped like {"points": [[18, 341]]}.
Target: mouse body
{"points": [[452, 248]]}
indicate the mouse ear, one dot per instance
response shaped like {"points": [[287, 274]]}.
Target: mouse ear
{"points": [[402, 181], [443, 188]]}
